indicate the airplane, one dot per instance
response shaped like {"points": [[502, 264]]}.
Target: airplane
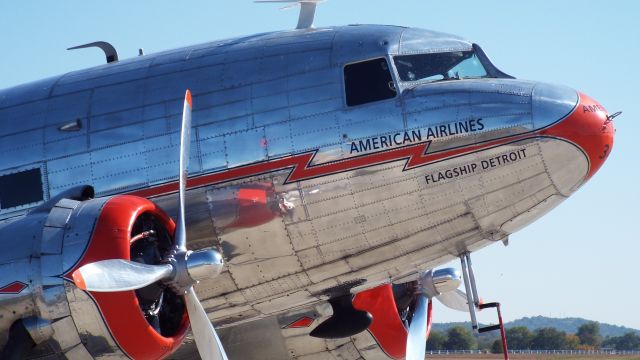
{"points": [[284, 195]]}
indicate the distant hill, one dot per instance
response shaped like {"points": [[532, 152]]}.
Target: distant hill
{"points": [[568, 325]]}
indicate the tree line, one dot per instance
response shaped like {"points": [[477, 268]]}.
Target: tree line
{"points": [[521, 338]]}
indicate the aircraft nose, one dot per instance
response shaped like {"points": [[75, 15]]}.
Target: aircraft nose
{"points": [[589, 128]]}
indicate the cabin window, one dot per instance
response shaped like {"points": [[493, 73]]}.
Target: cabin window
{"points": [[21, 188], [454, 65], [368, 81]]}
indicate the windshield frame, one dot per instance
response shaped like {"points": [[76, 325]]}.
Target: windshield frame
{"points": [[491, 71], [488, 64]]}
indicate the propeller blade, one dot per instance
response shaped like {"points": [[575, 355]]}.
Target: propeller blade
{"points": [[185, 143], [417, 337], [119, 275], [207, 341], [456, 300]]}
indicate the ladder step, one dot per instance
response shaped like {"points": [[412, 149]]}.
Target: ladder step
{"points": [[489, 305], [489, 328]]}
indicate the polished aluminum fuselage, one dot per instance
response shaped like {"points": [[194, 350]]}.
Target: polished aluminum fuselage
{"points": [[262, 98]]}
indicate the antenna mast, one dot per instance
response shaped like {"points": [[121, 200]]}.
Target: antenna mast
{"points": [[307, 10]]}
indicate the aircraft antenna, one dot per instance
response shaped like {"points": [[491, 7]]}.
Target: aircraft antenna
{"points": [[109, 51], [615, 115], [307, 10]]}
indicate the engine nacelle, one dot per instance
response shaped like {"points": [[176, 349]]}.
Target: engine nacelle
{"points": [[47, 245]]}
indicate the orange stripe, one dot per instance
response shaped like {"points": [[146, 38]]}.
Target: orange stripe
{"points": [[187, 98], [79, 280]]}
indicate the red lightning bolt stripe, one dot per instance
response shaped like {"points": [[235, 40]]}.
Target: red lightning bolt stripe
{"points": [[415, 156], [570, 129]]}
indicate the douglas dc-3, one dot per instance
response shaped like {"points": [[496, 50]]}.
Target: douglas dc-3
{"points": [[317, 178]]}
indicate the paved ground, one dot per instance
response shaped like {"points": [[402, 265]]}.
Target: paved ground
{"points": [[535, 357]]}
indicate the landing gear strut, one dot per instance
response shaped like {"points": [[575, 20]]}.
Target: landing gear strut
{"points": [[473, 300]]}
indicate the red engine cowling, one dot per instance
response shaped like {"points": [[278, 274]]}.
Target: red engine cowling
{"points": [[119, 221], [387, 328], [64, 234]]}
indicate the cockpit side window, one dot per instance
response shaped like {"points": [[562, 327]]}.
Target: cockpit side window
{"points": [[21, 188], [368, 81], [453, 65]]}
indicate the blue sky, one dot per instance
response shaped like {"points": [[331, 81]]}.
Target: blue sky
{"points": [[579, 260]]}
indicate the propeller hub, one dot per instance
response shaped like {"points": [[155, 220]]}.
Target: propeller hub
{"points": [[190, 267], [204, 264]]}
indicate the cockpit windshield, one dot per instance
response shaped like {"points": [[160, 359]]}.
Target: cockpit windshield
{"points": [[454, 65]]}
